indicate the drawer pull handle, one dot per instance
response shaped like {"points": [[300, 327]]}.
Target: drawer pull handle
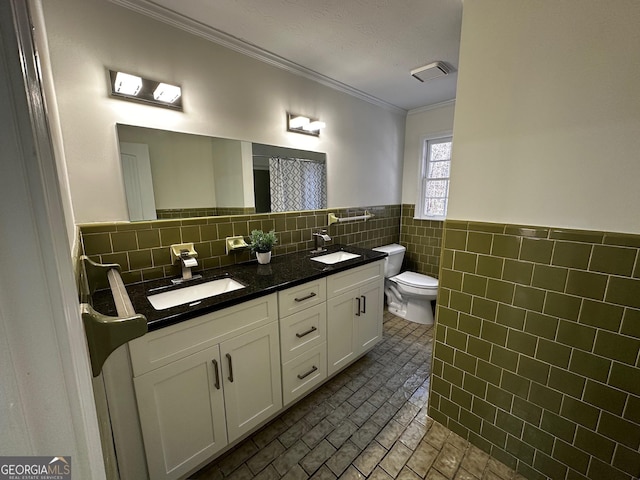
{"points": [[304, 375], [304, 334], [306, 297], [358, 309], [215, 369], [364, 304], [230, 367]]}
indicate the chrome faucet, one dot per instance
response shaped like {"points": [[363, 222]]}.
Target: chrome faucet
{"points": [[320, 234], [187, 262]]}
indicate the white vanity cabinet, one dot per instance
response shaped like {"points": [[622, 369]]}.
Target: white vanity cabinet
{"points": [[303, 337], [354, 313], [205, 382]]}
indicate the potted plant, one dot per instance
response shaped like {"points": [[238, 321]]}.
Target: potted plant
{"points": [[261, 243]]}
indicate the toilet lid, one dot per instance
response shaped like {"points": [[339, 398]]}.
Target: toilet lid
{"points": [[414, 279]]}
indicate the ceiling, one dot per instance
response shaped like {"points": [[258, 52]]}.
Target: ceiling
{"points": [[364, 47]]}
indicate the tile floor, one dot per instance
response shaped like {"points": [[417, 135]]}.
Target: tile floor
{"points": [[370, 421]]}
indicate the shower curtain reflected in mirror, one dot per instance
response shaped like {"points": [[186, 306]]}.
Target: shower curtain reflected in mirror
{"points": [[297, 184]]}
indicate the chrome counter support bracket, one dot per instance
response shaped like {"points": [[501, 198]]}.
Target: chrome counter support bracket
{"points": [[105, 334]]}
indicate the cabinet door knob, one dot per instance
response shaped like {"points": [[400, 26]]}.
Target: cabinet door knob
{"points": [[304, 334], [215, 369], [230, 367], [313, 369], [364, 304]]}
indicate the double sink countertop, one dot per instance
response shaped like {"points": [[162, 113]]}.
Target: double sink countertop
{"points": [[283, 272]]}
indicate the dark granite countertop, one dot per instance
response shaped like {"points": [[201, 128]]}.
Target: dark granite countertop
{"points": [[283, 272]]}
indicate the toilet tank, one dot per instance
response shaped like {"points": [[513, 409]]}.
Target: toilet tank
{"points": [[393, 263]]}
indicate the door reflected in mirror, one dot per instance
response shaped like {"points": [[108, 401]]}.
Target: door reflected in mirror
{"points": [[178, 175]]}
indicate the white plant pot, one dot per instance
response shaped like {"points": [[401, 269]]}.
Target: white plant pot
{"points": [[263, 258]]}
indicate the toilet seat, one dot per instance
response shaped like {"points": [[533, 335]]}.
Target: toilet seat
{"points": [[413, 283], [413, 279]]}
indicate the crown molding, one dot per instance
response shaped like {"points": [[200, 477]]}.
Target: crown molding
{"points": [[426, 108], [165, 15]]}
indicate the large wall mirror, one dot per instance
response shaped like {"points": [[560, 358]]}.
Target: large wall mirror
{"points": [[177, 175]]}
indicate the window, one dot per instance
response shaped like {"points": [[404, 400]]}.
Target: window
{"points": [[434, 179]]}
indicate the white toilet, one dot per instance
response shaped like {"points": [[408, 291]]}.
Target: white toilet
{"points": [[409, 294]]}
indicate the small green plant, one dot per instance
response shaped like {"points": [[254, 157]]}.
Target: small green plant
{"points": [[262, 242]]}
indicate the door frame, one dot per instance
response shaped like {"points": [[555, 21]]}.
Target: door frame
{"points": [[49, 406]]}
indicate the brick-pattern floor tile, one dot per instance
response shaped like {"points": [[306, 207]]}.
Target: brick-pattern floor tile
{"points": [[462, 474], [343, 458], [413, 434], [368, 460], [290, 458], [422, 458], [268, 473], [379, 474], [294, 433], [396, 458], [323, 473], [389, 434], [448, 460], [316, 457], [369, 421], [351, 473], [365, 434], [296, 473], [342, 433], [317, 433], [265, 456], [475, 461]]}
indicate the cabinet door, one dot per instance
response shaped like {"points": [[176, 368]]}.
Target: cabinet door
{"points": [[341, 334], [369, 321], [182, 414], [252, 380]]}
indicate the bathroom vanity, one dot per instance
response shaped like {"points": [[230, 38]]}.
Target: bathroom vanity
{"points": [[211, 372]]}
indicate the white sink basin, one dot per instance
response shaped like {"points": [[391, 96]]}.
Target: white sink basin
{"points": [[335, 257], [181, 296]]}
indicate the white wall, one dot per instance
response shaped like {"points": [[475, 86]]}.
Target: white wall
{"points": [[182, 166], [548, 114], [422, 123], [225, 94], [228, 168]]}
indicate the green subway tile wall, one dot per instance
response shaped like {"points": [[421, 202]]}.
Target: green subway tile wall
{"points": [[142, 248], [423, 241], [536, 358], [164, 214]]}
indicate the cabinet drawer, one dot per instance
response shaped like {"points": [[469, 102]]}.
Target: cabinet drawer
{"points": [[343, 281], [169, 344], [303, 296], [302, 331], [303, 373]]}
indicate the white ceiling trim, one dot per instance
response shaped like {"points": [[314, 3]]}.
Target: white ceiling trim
{"points": [[426, 108], [174, 19]]}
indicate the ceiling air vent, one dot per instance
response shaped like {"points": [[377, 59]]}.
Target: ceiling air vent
{"points": [[431, 71]]}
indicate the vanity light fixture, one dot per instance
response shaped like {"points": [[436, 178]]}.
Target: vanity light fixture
{"points": [[298, 122], [127, 84], [314, 126], [302, 124], [132, 87], [167, 93]]}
